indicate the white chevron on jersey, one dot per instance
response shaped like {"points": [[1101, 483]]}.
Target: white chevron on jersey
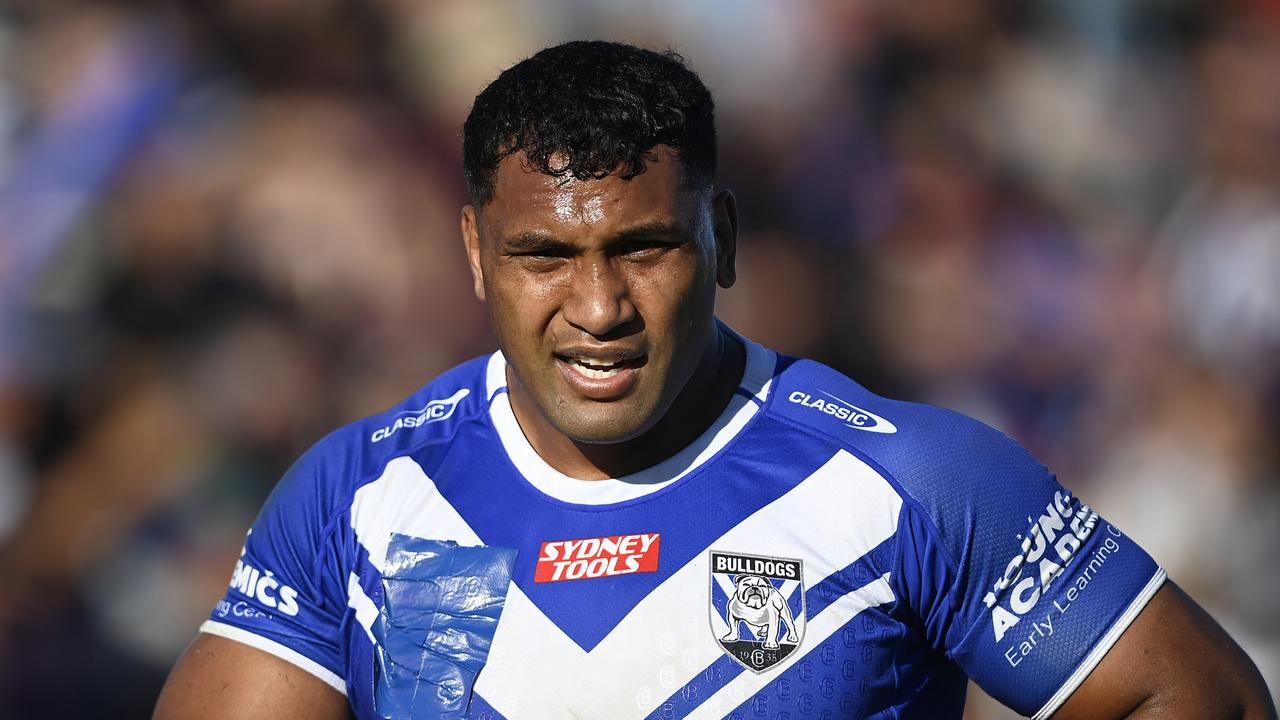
{"points": [[535, 670], [366, 610], [404, 500]]}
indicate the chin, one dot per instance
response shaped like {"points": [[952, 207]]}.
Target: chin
{"points": [[602, 435], [617, 425]]}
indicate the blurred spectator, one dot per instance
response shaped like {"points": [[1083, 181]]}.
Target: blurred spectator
{"points": [[227, 228]]}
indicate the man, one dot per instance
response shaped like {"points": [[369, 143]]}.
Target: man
{"points": [[630, 511]]}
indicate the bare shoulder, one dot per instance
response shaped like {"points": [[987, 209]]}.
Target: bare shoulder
{"points": [[220, 678], [1174, 661]]}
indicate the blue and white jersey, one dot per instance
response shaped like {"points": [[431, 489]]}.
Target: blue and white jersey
{"points": [[818, 552]]}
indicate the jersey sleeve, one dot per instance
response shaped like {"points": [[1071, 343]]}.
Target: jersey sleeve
{"points": [[285, 597], [1014, 578]]}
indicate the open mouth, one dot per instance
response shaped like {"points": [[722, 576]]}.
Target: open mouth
{"points": [[598, 368]]}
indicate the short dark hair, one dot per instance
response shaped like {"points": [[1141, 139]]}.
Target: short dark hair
{"points": [[603, 105]]}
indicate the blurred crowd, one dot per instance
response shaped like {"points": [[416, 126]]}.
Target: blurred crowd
{"points": [[226, 228]]}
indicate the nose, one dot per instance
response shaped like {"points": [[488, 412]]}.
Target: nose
{"points": [[599, 297]]}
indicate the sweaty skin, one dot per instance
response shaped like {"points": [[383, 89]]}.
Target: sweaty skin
{"points": [[602, 294]]}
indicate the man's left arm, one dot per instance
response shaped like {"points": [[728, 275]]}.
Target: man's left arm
{"points": [[1174, 661], [1050, 608]]}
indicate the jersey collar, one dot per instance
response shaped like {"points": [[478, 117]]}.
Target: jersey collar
{"points": [[753, 391]]}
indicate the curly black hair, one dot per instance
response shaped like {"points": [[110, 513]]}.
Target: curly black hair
{"points": [[594, 108]]}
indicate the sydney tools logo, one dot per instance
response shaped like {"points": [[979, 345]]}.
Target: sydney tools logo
{"points": [[597, 557]]}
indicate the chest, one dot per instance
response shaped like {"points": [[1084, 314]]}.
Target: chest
{"points": [[690, 607]]}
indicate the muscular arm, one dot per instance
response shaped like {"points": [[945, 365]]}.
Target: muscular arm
{"points": [[1174, 661], [218, 679]]}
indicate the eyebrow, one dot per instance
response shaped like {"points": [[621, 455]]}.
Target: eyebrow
{"points": [[650, 230], [531, 240], [540, 239]]}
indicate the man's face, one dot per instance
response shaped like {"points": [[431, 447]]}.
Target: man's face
{"points": [[601, 292]]}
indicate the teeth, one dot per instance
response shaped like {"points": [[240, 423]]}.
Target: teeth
{"points": [[595, 374], [595, 368]]}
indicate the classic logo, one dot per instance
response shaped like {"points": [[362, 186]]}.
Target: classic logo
{"points": [[597, 557], [434, 411], [757, 607], [852, 415]]}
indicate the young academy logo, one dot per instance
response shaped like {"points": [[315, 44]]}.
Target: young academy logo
{"points": [[757, 607]]}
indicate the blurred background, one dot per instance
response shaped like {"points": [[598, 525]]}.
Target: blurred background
{"points": [[228, 227]]}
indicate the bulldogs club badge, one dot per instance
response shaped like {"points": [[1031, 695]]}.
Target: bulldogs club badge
{"points": [[757, 607]]}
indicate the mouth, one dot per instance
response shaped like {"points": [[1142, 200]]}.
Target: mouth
{"points": [[600, 375], [599, 368]]}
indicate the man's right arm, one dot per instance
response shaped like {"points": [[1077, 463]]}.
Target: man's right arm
{"points": [[272, 646], [218, 678]]}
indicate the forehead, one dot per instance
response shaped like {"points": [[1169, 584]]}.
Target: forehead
{"points": [[525, 199]]}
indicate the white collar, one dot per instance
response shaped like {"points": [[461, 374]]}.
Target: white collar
{"points": [[752, 392]]}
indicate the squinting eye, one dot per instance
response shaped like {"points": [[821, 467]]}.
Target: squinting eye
{"points": [[648, 247], [542, 253], [549, 252], [541, 260]]}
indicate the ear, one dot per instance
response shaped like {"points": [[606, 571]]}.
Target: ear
{"points": [[724, 210], [471, 240]]}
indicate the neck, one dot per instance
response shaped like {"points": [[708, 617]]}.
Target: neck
{"points": [[702, 400]]}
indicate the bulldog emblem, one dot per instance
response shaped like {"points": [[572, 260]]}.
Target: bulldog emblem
{"points": [[757, 607]]}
